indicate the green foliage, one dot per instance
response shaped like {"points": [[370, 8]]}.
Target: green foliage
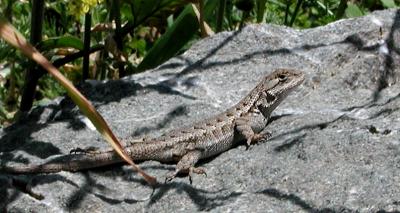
{"points": [[388, 3], [78, 8], [181, 31], [353, 10], [261, 6], [152, 31], [153, 10], [60, 42]]}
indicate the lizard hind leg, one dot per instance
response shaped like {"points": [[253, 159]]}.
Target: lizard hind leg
{"points": [[186, 166]]}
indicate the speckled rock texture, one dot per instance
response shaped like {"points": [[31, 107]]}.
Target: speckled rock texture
{"points": [[335, 143]]}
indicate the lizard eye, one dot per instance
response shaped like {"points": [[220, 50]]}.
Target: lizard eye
{"points": [[282, 77]]}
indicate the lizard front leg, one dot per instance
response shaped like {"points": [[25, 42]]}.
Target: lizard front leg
{"points": [[243, 126], [186, 165]]}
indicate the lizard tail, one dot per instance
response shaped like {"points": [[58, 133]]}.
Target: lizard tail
{"points": [[72, 162]]}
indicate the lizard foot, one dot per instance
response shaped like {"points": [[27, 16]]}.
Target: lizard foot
{"points": [[196, 170], [192, 170], [258, 138]]}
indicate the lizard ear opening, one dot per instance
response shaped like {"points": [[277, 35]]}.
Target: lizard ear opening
{"points": [[269, 97]]}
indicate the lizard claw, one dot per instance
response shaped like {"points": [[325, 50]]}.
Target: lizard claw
{"points": [[170, 177], [192, 170], [251, 141], [263, 137]]}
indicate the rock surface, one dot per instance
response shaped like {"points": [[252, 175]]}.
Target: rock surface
{"points": [[335, 144]]}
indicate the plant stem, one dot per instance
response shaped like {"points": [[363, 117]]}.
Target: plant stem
{"points": [[296, 11], [220, 15], [118, 37], [86, 46], [33, 73]]}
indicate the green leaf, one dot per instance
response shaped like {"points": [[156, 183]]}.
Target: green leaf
{"points": [[261, 10], [126, 11], [209, 12], [353, 10], [169, 44], [388, 3], [59, 42], [139, 45]]}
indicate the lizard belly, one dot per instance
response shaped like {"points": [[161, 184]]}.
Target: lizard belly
{"points": [[213, 147]]}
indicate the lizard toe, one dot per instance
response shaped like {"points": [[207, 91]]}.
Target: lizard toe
{"points": [[251, 141], [258, 138], [263, 137], [196, 170], [170, 177]]}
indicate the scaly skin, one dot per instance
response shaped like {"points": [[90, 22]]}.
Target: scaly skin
{"points": [[186, 146]]}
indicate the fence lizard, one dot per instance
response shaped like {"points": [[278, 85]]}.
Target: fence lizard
{"points": [[245, 121]]}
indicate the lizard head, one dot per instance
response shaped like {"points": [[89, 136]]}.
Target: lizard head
{"points": [[278, 85], [275, 87], [282, 81]]}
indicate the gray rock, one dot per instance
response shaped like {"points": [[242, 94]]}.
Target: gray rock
{"points": [[335, 144]]}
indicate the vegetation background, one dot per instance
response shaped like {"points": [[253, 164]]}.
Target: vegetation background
{"points": [[109, 39]]}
